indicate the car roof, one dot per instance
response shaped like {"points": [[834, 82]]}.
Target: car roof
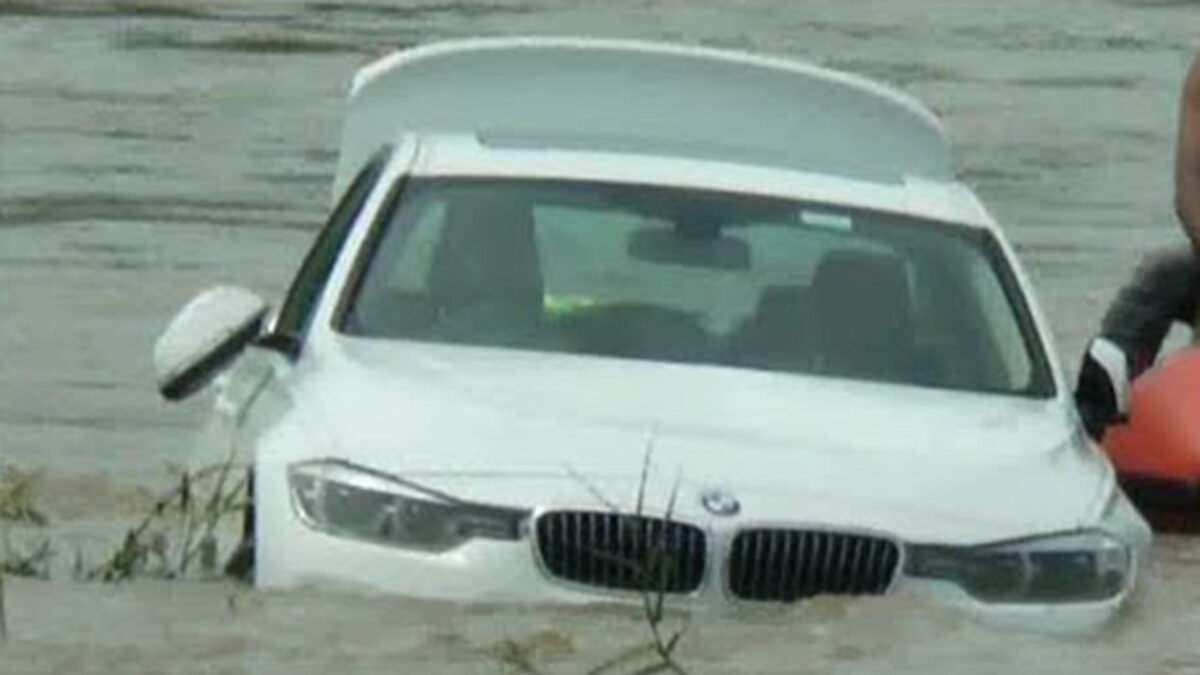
{"points": [[445, 155], [619, 96]]}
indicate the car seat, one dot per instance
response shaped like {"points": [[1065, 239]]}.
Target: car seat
{"points": [[486, 256], [777, 336], [862, 316]]}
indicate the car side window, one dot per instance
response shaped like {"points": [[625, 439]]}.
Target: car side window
{"points": [[297, 311]]}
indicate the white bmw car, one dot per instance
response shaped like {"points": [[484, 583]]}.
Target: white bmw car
{"points": [[585, 309]]}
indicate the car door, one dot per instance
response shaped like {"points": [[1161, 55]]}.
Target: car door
{"points": [[282, 344]]}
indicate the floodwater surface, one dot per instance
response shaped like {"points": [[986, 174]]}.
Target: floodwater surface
{"points": [[151, 148]]}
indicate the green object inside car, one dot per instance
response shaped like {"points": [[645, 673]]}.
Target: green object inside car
{"points": [[559, 306]]}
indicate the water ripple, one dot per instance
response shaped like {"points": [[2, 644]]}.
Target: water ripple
{"points": [[410, 11], [64, 208], [1020, 37], [272, 42], [1089, 81], [116, 8]]}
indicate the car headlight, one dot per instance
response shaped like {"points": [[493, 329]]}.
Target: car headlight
{"points": [[354, 502], [1077, 567]]}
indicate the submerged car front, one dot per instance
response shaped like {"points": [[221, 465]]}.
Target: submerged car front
{"points": [[574, 376], [677, 321]]}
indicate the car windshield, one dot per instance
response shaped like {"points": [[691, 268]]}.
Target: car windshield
{"points": [[692, 276]]}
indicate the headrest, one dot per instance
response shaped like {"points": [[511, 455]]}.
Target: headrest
{"points": [[486, 253], [863, 313], [872, 277]]}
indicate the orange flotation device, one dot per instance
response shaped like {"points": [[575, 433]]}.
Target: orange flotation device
{"points": [[1157, 450]]}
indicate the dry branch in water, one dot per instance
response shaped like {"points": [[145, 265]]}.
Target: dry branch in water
{"points": [[654, 575], [17, 508], [3, 616], [16, 498], [192, 512], [35, 563], [193, 508]]}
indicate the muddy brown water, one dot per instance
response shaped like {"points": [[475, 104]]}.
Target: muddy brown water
{"points": [[150, 148]]}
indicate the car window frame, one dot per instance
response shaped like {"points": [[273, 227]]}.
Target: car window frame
{"points": [[392, 201], [292, 324], [1042, 383]]}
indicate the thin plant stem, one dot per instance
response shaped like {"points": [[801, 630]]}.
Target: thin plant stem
{"points": [[3, 614]]}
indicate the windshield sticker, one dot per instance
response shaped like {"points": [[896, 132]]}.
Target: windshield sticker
{"points": [[828, 221]]}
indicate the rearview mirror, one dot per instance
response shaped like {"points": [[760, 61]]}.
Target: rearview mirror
{"points": [[204, 337], [665, 246]]}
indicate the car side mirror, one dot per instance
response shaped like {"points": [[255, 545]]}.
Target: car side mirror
{"points": [[204, 338]]}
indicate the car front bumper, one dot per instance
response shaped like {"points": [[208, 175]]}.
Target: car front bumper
{"points": [[291, 553]]}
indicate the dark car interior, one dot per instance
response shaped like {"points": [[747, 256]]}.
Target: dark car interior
{"points": [[869, 309]]}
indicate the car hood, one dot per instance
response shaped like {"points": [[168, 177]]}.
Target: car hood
{"points": [[546, 430]]}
